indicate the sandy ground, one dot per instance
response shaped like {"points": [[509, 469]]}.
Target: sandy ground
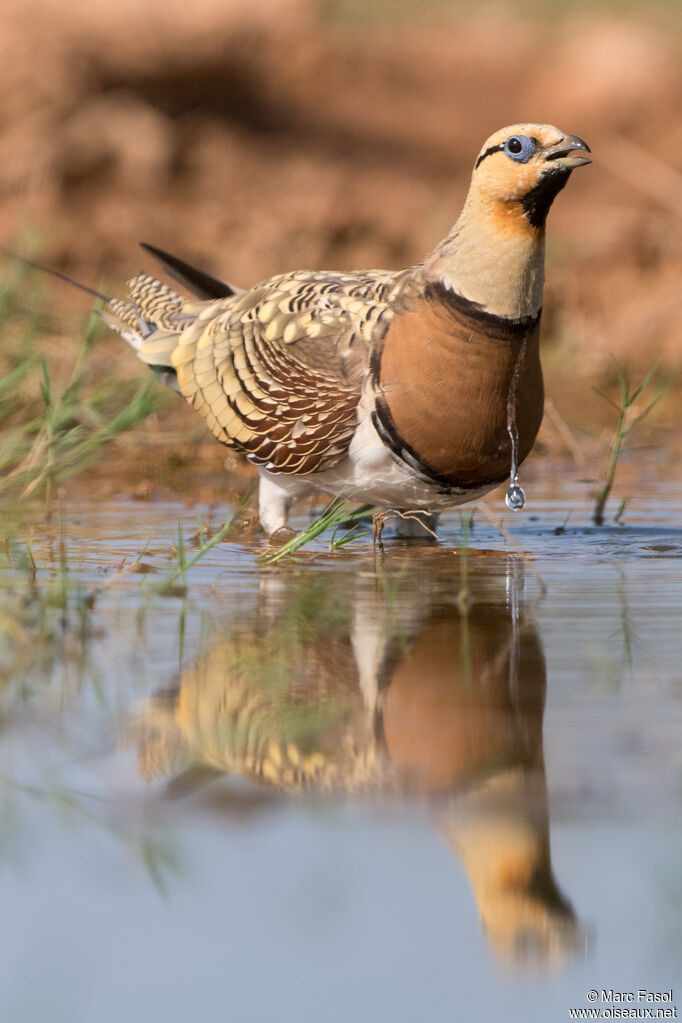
{"points": [[255, 138]]}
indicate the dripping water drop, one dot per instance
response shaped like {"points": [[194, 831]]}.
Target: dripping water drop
{"points": [[515, 497]]}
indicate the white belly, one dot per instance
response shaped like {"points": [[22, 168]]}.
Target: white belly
{"points": [[371, 474]]}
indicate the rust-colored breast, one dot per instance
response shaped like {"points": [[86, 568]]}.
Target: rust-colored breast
{"points": [[448, 372], [449, 714]]}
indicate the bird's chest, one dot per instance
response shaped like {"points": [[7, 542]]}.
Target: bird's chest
{"points": [[452, 392]]}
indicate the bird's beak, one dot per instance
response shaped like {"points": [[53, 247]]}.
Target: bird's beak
{"points": [[563, 153]]}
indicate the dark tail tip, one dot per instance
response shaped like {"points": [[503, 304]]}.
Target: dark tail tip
{"points": [[196, 281]]}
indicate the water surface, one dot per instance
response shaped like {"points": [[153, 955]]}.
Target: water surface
{"points": [[444, 784]]}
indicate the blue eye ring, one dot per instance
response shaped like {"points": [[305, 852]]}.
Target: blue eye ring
{"points": [[519, 148]]}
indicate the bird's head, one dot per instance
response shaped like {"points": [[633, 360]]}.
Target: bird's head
{"points": [[524, 166]]}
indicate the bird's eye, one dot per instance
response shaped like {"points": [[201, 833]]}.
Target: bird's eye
{"points": [[520, 148]]}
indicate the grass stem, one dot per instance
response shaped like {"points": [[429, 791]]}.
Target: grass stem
{"points": [[621, 433]]}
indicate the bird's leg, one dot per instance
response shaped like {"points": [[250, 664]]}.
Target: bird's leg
{"points": [[378, 521], [275, 495]]}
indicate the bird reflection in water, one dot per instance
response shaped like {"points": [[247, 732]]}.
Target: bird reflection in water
{"points": [[391, 684]]}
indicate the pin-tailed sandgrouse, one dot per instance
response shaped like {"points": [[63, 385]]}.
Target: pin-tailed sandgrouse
{"points": [[420, 388]]}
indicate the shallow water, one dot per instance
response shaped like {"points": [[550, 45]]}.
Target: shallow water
{"points": [[440, 786]]}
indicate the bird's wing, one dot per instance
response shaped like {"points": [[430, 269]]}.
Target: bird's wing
{"points": [[276, 371]]}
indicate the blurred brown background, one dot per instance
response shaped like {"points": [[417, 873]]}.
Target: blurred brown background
{"points": [[256, 137]]}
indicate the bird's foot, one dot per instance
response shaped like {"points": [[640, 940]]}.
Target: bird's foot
{"points": [[281, 536], [378, 523]]}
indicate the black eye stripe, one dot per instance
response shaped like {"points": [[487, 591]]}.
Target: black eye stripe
{"points": [[500, 148], [488, 152]]}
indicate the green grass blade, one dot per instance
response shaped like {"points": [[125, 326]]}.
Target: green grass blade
{"points": [[335, 514]]}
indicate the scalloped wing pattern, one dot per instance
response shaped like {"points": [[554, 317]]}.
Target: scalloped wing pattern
{"points": [[277, 371]]}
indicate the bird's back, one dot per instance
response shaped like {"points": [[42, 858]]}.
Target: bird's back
{"points": [[276, 371]]}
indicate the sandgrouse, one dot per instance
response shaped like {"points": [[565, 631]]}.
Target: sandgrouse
{"points": [[420, 388]]}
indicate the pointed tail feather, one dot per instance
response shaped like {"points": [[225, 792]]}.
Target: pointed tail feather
{"points": [[122, 317], [125, 318], [60, 276], [197, 281]]}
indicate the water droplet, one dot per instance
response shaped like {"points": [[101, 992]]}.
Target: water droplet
{"points": [[515, 497]]}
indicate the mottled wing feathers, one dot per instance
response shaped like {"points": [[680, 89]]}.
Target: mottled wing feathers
{"points": [[276, 371]]}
